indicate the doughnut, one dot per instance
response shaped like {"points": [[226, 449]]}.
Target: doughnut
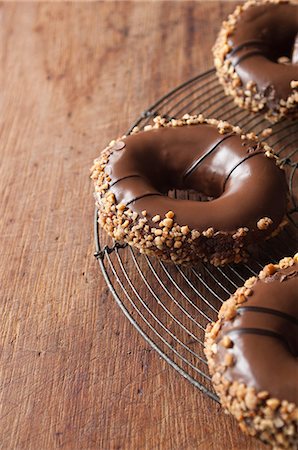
{"points": [[252, 354], [238, 174], [256, 58]]}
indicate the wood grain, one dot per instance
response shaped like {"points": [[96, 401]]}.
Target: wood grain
{"points": [[74, 374]]}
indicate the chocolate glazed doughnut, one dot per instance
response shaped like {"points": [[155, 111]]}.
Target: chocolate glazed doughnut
{"points": [[256, 57], [134, 174], [252, 354]]}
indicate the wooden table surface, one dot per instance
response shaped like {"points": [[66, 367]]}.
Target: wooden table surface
{"points": [[74, 374]]}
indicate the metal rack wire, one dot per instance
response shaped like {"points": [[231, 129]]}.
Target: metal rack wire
{"points": [[171, 305]]}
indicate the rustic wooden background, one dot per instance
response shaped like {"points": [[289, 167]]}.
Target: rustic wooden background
{"points": [[74, 374]]}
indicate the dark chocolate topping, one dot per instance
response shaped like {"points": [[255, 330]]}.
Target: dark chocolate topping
{"points": [[246, 45], [275, 312], [201, 158], [245, 185], [263, 33], [265, 337]]}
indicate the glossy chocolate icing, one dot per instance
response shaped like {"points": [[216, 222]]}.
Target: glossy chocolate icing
{"points": [[265, 337], [262, 34], [245, 185]]}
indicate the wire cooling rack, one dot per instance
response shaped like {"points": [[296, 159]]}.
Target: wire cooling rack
{"points": [[170, 305]]}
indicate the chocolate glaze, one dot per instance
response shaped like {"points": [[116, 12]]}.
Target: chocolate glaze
{"points": [[245, 184], [265, 337], [264, 33]]}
